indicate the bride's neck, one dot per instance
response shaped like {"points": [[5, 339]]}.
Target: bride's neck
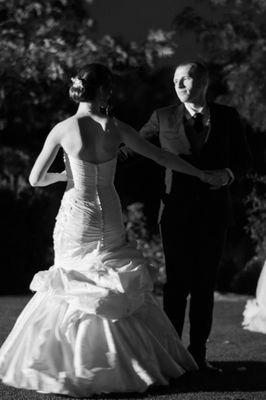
{"points": [[92, 108]]}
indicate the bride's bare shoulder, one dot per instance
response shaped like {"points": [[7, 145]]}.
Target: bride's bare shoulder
{"points": [[65, 126], [61, 130], [68, 122]]}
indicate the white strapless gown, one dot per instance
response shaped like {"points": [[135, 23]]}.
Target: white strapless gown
{"points": [[93, 325], [255, 310]]}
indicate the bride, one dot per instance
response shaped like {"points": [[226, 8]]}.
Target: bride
{"points": [[93, 325]]}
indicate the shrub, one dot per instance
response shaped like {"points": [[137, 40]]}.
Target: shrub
{"points": [[245, 280], [256, 225], [26, 223], [149, 244]]}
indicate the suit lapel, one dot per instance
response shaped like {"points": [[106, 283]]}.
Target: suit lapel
{"points": [[172, 135], [213, 127], [212, 122], [174, 118]]}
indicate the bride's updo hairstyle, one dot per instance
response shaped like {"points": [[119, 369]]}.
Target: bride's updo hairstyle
{"points": [[88, 80]]}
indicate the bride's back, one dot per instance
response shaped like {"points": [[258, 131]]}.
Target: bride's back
{"points": [[92, 139], [90, 135]]}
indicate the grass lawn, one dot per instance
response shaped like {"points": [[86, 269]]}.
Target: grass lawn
{"points": [[240, 353]]}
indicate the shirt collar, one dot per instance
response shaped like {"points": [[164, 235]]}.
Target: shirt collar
{"points": [[189, 112]]}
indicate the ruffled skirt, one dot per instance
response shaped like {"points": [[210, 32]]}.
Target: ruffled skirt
{"points": [[255, 309], [79, 337]]}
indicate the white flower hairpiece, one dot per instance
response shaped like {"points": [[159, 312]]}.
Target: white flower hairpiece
{"points": [[77, 83]]}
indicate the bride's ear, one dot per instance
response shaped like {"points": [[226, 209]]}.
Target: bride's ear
{"points": [[100, 90], [100, 93]]}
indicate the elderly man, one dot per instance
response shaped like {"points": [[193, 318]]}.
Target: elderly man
{"points": [[194, 217]]}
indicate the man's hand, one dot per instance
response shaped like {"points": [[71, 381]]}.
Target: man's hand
{"points": [[216, 178], [62, 176]]}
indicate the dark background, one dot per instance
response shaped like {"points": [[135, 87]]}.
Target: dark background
{"points": [[42, 44]]}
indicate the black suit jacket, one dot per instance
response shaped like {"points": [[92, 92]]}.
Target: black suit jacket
{"points": [[226, 147]]}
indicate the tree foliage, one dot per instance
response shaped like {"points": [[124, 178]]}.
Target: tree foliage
{"points": [[233, 38], [41, 44], [256, 225]]}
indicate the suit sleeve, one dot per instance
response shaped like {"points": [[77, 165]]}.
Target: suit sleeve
{"points": [[240, 161], [150, 131]]}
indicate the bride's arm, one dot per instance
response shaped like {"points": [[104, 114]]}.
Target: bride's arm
{"points": [[169, 160], [39, 175]]}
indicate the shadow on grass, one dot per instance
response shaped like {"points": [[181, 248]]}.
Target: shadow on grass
{"points": [[242, 376]]}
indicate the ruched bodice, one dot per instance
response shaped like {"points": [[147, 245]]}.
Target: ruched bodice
{"points": [[84, 175], [90, 211]]}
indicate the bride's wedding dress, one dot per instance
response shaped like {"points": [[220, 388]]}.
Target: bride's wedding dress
{"points": [[255, 310], [93, 324]]}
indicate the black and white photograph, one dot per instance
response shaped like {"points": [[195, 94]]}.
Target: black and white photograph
{"points": [[133, 199]]}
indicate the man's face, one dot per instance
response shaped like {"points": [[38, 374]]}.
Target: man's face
{"points": [[188, 86]]}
